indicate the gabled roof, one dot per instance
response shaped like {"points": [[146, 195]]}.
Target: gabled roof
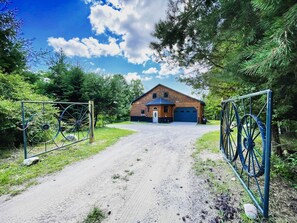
{"points": [[202, 102], [160, 101]]}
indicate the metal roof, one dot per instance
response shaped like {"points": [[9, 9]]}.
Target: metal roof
{"points": [[160, 101]]}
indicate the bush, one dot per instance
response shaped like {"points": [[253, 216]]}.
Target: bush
{"points": [[13, 90], [286, 167]]}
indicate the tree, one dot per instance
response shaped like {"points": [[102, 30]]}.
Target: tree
{"points": [[119, 96], [245, 45], [72, 83], [95, 88], [136, 89], [58, 69], [12, 47]]}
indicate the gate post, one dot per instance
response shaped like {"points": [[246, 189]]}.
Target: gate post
{"points": [[267, 154], [91, 120], [24, 129]]}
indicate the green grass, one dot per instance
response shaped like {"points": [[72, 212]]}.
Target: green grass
{"points": [[14, 177], [219, 174], [95, 216], [213, 122], [122, 123], [209, 141]]}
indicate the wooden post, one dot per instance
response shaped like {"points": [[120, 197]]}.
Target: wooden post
{"points": [[91, 120]]}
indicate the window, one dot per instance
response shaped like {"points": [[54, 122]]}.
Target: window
{"points": [[154, 95], [142, 112], [165, 109], [165, 94]]}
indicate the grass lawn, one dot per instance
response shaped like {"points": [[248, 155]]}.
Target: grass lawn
{"points": [[213, 122], [14, 177], [122, 123]]}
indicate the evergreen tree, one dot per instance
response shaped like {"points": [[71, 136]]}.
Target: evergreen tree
{"points": [[12, 47], [245, 45]]}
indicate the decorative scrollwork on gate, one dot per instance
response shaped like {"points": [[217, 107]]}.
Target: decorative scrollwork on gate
{"points": [[245, 141]]}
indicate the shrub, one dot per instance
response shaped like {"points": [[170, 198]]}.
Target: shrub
{"points": [[13, 90]]}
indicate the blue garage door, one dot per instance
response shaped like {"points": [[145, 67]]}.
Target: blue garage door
{"points": [[185, 115]]}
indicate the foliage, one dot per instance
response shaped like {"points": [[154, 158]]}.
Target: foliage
{"points": [[13, 173], [58, 70], [136, 89], [14, 89], [12, 47], [72, 83], [213, 108], [286, 168], [95, 216], [243, 46], [111, 94]]}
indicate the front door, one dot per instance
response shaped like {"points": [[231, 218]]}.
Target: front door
{"points": [[155, 116]]}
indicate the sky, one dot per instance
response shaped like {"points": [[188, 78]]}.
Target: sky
{"points": [[103, 36]]}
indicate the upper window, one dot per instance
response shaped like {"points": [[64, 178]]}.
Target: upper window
{"points": [[142, 112], [154, 95], [165, 94], [165, 109]]}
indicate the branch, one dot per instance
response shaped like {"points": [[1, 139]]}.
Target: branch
{"points": [[213, 63]]}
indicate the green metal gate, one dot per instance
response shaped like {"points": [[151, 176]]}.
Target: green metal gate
{"points": [[49, 126], [246, 143]]}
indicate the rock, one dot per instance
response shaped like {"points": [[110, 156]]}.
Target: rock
{"points": [[250, 211], [71, 138], [233, 178], [31, 161]]}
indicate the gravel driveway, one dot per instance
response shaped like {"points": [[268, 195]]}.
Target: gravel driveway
{"points": [[145, 177]]}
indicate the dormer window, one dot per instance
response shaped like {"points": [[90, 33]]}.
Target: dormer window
{"points": [[165, 94], [154, 95]]}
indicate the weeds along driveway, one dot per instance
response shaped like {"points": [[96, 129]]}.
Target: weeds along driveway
{"points": [[145, 177]]}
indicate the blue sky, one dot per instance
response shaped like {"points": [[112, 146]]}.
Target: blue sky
{"points": [[104, 36]]}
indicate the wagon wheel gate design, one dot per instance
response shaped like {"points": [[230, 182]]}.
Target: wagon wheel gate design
{"points": [[49, 126], [245, 141]]}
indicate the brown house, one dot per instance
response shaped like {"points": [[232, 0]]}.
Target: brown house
{"points": [[163, 104]]}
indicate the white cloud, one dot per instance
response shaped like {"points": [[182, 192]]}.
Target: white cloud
{"points": [[134, 76], [99, 70], [134, 22], [167, 70], [86, 47], [151, 70], [146, 78]]}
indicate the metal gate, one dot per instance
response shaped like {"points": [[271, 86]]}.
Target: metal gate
{"points": [[49, 126], [245, 140]]}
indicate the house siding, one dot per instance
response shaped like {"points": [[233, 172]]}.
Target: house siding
{"points": [[180, 100]]}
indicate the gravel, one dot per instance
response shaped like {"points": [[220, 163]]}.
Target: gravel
{"points": [[156, 182]]}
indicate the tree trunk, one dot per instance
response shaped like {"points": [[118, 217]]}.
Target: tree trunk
{"points": [[276, 144]]}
